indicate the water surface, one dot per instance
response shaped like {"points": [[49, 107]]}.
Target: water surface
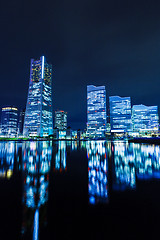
{"points": [[70, 189]]}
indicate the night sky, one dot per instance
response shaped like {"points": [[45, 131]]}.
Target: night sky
{"points": [[113, 43]]}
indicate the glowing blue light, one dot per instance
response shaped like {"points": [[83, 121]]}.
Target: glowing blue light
{"points": [[42, 67], [36, 225], [92, 200]]}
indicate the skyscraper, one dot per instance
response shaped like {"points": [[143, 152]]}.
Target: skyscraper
{"points": [[61, 120], [145, 118], [120, 114], [96, 110], [38, 117], [9, 121]]}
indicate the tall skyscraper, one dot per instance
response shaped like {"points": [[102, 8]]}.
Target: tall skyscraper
{"points": [[96, 111], [9, 120], [120, 114], [145, 118], [38, 117], [61, 120]]}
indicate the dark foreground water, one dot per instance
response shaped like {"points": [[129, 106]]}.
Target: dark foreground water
{"points": [[77, 190]]}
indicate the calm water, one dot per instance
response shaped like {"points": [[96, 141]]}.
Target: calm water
{"points": [[66, 190]]}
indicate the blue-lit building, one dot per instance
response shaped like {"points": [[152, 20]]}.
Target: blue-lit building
{"points": [[9, 121], [38, 117], [145, 118], [96, 111], [60, 120], [120, 114]]}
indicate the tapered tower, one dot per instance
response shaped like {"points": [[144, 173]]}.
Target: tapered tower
{"points": [[38, 117]]}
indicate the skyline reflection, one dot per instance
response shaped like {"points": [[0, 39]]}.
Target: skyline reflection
{"points": [[112, 166], [97, 172], [147, 158], [134, 161], [124, 166], [60, 158], [35, 166], [7, 151]]}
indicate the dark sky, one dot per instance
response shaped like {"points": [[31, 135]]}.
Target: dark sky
{"points": [[113, 43]]}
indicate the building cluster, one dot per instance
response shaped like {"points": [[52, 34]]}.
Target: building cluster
{"points": [[37, 119], [122, 119]]}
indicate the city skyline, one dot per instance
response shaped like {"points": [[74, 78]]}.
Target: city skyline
{"points": [[79, 119], [83, 124], [115, 44], [120, 113]]}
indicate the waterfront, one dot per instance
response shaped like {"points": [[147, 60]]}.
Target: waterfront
{"points": [[70, 189]]}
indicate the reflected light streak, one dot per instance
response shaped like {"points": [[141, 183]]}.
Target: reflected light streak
{"points": [[36, 225], [97, 172]]}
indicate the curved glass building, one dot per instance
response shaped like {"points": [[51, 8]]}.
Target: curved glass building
{"points": [[38, 117], [9, 120], [145, 118], [120, 114]]}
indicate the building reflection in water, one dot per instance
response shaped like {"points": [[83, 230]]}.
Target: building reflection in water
{"points": [[37, 161], [133, 161], [97, 172], [36, 166], [74, 145], [147, 158], [124, 166], [60, 158], [7, 152], [128, 162]]}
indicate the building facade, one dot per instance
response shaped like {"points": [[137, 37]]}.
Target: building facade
{"points": [[120, 114], [61, 120], [145, 118], [21, 122], [96, 111], [9, 121], [38, 117]]}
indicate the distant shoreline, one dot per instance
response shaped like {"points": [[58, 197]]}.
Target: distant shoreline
{"points": [[130, 140]]}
